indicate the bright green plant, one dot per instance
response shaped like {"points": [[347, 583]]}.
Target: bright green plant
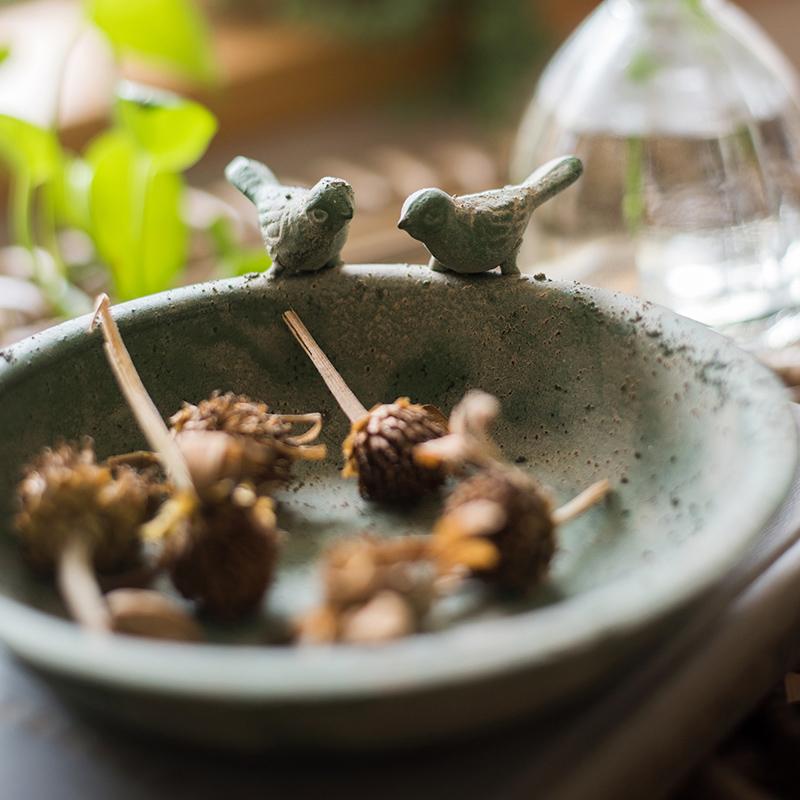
{"points": [[136, 187], [126, 191]]}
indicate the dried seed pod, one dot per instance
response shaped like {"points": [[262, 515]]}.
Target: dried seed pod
{"points": [[76, 516], [498, 524], [220, 547], [379, 448], [147, 466], [225, 559], [262, 445], [379, 451], [65, 493], [374, 590], [142, 612]]}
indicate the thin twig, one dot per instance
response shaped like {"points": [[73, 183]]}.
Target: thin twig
{"points": [[78, 586], [347, 401], [315, 418], [140, 402], [308, 452], [585, 500]]}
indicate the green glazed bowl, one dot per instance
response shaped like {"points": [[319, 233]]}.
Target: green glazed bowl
{"points": [[696, 437]]}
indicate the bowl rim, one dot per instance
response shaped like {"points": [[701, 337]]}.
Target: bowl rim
{"points": [[464, 653]]}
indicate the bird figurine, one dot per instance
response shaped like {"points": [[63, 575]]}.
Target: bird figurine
{"points": [[478, 232], [304, 230]]}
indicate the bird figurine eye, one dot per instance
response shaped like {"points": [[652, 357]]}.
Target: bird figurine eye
{"points": [[318, 215]]}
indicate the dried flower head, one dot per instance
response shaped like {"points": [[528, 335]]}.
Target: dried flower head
{"points": [[379, 451], [65, 493], [498, 525], [225, 556], [220, 549], [374, 590], [260, 447], [147, 466]]}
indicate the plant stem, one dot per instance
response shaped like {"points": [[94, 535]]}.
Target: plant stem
{"points": [[142, 171], [21, 189], [78, 586], [65, 300], [48, 227], [584, 501], [140, 402], [341, 392], [315, 418], [633, 203]]}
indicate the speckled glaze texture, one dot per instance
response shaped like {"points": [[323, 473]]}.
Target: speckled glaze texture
{"points": [[696, 437]]}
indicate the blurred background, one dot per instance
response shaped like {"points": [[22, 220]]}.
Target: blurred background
{"points": [[110, 185]]}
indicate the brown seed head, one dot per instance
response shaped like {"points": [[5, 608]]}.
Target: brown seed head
{"points": [[260, 446], [64, 492], [374, 589], [232, 413], [498, 525], [225, 558], [379, 450], [148, 467]]}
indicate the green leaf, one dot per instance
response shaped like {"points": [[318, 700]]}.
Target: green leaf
{"points": [[29, 149], [175, 132], [232, 259], [71, 189], [243, 262], [170, 32], [136, 222], [5, 52]]}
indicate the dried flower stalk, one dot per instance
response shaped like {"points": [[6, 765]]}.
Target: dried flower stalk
{"points": [[379, 449], [76, 515], [220, 546], [499, 523], [139, 401]]}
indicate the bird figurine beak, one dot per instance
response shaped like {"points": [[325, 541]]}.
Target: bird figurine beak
{"points": [[403, 223]]}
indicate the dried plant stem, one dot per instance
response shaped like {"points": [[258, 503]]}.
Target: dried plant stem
{"points": [[137, 459], [142, 406], [309, 452], [78, 586], [347, 401], [469, 441], [315, 418], [584, 501]]}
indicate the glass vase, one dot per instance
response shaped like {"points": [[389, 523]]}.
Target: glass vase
{"points": [[686, 118]]}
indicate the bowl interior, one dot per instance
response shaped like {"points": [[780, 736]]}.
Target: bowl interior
{"points": [[694, 435]]}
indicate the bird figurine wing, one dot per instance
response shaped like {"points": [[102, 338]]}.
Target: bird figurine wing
{"points": [[258, 184], [497, 216]]}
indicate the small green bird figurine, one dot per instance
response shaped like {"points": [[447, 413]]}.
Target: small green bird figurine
{"points": [[304, 230], [478, 232]]}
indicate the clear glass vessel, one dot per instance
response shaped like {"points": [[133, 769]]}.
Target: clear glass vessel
{"points": [[687, 120]]}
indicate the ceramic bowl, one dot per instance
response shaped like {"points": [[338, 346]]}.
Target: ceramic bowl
{"points": [[695, 436]]}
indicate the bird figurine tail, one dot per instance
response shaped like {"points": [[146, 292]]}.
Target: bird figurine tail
{"points": [[249, 176], [552, 178]]}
